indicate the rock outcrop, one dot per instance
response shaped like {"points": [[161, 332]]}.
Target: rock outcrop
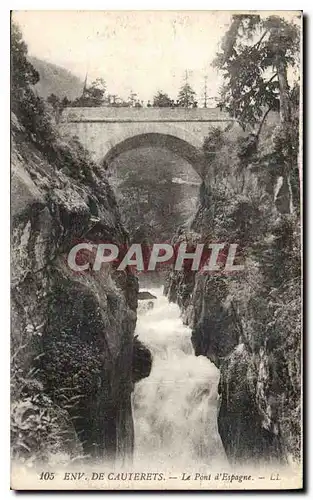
{"points": [[252, 332], [75, 329], [144, 295]]}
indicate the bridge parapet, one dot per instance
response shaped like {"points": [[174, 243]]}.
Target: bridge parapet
{"points": [[150, 115], [107, 131]]}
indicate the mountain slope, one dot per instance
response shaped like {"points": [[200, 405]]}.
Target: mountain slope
{"points": [[57, 80]]}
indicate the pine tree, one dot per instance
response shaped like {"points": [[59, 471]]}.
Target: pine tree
{"points": [[162, 100], [256, 54], [186, 96]]}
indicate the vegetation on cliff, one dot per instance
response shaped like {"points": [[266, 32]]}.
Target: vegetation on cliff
{"points": [[72, 334], [249, 324]]}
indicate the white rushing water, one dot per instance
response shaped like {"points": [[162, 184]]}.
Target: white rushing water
{"points": [[175, 408]]}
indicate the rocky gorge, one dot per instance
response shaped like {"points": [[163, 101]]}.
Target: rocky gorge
{"points": [[249, 325], [77, 350], [74, 356]]}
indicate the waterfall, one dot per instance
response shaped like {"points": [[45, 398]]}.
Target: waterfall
{"points": [[175, 408]]}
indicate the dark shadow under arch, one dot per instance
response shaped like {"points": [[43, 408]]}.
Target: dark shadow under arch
{"points": [[174, 144]]}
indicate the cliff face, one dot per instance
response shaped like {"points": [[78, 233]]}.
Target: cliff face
{"points": [[260, 377], [249, 325], [73, 330]]}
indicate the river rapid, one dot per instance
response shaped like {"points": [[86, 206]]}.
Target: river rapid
{"points": [[175, 409]]}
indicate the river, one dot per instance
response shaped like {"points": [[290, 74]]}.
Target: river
{"points": [[175, 408]]}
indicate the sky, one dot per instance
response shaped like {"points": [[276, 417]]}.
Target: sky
{"points": [[138, 51]]}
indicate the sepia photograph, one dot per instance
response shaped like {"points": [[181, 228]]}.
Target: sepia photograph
{"points": [[156, 250]]}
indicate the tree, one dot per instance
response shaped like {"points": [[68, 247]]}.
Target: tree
{"points": [[54, 101], [186, 96], [58, 104], [94, 95], [256, 74], [28, 106], [162, 100], [65, 102], [96, 92], [23, 72], [254, 59]]}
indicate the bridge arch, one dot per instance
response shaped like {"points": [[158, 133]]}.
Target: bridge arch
{"points": [[182, 148]]}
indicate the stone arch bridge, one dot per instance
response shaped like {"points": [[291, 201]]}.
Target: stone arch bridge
{"points": [[107, 131]]}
